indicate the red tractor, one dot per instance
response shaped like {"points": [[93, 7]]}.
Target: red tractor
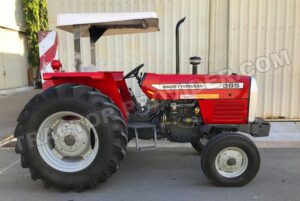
{"points": [[74, 134]]}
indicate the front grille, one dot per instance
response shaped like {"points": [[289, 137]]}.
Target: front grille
{"points": [[234, 110]]}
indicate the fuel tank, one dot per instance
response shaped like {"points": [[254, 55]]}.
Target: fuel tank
{"points": [[223, 99]]}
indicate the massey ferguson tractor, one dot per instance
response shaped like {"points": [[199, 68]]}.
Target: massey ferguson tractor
{"points": [[74, 134]]}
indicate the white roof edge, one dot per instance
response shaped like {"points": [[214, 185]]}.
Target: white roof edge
{"points": [[65, 19], [116, 23]]}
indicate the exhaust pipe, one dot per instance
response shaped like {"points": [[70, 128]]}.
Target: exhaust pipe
{"points": [[177, 45]]}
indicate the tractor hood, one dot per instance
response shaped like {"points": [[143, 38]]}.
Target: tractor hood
{"points": [[223, 99], [113, 23], [186, 86]]}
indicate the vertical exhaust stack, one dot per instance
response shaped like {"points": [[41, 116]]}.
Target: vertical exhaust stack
{"points": [[177, 45]]}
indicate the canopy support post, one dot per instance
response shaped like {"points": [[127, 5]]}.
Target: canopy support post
{"points": [[93, 52], [77, 54], [95, 34]]}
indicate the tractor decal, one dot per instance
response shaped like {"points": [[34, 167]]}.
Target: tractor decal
{"points": [[198, 86], [199, 96]]}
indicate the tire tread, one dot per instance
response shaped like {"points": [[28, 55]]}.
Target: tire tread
{"points": [[92, 95]]}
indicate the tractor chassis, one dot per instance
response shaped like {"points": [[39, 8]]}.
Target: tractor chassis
{"points": [[258, 128]]}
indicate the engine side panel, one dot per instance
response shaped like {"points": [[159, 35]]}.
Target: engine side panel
{"points": [[223, 99], [224, 111]]}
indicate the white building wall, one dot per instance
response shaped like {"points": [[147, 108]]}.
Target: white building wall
{"points": [[264, 37], [229, 35], [13, 49]]}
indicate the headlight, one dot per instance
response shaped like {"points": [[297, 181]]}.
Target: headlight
{"points": [[253, 100]]}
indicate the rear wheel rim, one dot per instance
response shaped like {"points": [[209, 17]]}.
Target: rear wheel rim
{"points": [[231, 162], [67, 141]]}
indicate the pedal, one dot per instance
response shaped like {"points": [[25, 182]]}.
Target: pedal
{"points": [[140, 125]]}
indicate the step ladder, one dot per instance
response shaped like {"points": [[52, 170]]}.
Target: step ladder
{"points": [[140, 125]]}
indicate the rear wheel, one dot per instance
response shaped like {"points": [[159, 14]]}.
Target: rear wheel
{"points": [[230, 159], [71, 137]]}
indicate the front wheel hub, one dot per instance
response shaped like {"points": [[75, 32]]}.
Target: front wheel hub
{"points": [[231, 162]]}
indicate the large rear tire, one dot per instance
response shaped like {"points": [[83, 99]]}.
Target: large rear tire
{"points": [[230, 159], [71, 136]]}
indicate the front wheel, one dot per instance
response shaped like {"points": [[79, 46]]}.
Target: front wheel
{"points": [[230, 159]]}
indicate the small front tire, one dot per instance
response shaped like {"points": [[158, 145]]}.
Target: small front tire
{"points": [[230, 159]]}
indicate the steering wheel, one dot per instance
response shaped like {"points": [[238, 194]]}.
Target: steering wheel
{"points": [[134, 72]]}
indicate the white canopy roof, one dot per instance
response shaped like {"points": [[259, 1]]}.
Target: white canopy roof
{"points": [[115, 23]]}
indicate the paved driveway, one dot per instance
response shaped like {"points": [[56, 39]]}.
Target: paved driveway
{"points": [[166, 174], [11, 106]]}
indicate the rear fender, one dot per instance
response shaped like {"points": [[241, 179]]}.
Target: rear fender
{"points": [[111, 84]]}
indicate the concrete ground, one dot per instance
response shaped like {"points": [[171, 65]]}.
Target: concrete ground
{"points": [[165, 174], [171, 172], [11, 105]]}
